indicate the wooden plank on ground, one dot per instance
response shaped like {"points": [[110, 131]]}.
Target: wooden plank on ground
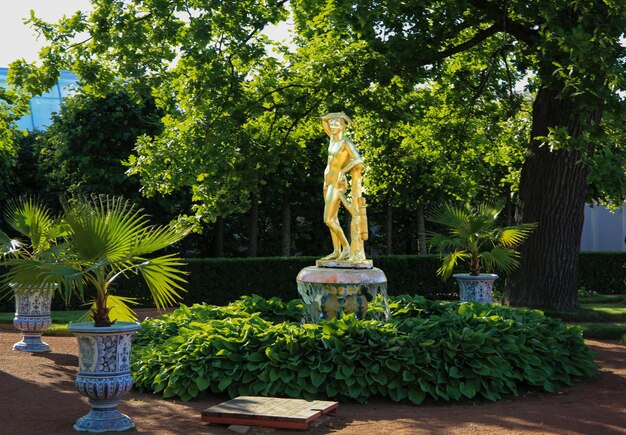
{"points": [[268, 411]]}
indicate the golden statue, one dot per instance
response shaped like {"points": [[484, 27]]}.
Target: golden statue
{"points": [[343, 160]]}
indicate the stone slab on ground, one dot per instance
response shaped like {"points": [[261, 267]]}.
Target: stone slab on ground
{"points": [[268, 411]]}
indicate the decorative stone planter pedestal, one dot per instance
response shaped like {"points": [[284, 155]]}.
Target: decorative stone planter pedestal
{"points": [[32, 317], [104, 374], [329, 292], [475, 288]]}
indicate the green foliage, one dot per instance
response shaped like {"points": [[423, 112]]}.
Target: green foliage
{"points": [[82, 150], [603, 331], [473, 236], [212, 73], [106, 237], [14, 103], [428, 350], [600, 299], [58, 317], [613, 311], [219, 281], [34, 221], [603, 272]]}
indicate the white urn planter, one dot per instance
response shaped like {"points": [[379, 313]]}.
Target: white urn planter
{"points": [[32, 317], [475, 288], [104, 374]]}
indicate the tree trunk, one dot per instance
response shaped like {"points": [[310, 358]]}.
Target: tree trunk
{"points": [[285, 230], [218, 238], [509, 207], [388, 229], [552, 193], [253, 234], [421, 229]]}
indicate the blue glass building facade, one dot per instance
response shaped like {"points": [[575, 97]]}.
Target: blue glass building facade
{"points": [[42, 107]]}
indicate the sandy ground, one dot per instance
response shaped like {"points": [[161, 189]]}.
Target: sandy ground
{"points": [[38, 397]]}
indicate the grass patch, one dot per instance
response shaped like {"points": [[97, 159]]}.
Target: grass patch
{"points": [[60, 317], [602, 331], [601, 299], [58, 330], [60, 320], [614, 309], [597, 308]]}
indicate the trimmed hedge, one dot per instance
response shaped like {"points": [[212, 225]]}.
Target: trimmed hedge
{"points": [[603, 272], [219, 281], [427, 350]]}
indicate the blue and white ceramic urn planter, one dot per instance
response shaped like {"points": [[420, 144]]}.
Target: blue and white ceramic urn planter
{"points": [[475, 288], [104, 374], [32, 317]]}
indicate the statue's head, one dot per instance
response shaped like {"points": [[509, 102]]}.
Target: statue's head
{"points": [[338, 122], [336, 125]]}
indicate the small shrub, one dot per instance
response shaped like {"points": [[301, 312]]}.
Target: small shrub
{"points": [[427, 349]]}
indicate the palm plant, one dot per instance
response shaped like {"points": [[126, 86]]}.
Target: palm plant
{"points": [[108, 237], [473, 236], [32, 219]]}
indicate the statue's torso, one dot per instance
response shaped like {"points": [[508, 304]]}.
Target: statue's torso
{"points": [[339, 155]]}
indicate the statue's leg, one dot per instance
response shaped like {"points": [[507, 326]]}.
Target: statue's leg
{"points": [[344, 245], [331, 219]]}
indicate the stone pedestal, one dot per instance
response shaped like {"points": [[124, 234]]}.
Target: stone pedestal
{"points": [[331, 292]]}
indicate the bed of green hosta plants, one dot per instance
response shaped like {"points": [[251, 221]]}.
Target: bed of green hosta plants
{"points": [[427, 350]]}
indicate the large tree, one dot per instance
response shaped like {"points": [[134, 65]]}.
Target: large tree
{"points": [[572, 53]]}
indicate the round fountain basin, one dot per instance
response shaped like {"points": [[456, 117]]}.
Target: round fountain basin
{"points": [[329, 292]]}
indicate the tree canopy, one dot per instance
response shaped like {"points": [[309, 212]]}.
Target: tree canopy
{"points": [[432, 85]]}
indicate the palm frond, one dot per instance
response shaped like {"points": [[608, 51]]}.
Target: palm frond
{"points": [[475, 232], [8, 246], [34, 273], [155, 238], [515, 235], [500, 258], [489, 210], [103, 227], [31, 218], [453, 217], [164, 278], [443, 243], [450, 261], [108, 237], [87, 229]]}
